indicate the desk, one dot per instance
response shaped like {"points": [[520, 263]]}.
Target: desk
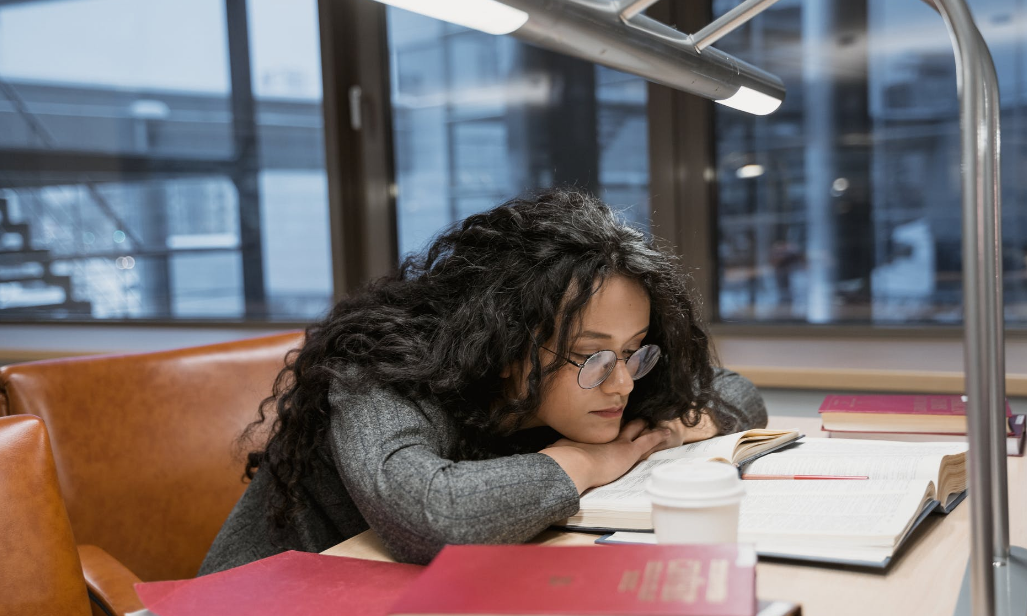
{"points": [[923, 579]]}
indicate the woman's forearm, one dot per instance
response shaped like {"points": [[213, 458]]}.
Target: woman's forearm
{"points": [[575, 463]]}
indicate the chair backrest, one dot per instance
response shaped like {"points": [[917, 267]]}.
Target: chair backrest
{"points": [[40, 572], [145, 443]]}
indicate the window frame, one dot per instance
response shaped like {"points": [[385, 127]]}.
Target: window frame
{"points": [[359, 158]]}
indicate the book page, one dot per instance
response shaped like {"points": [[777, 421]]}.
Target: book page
{"points": [[627, 491], [732, 447], [822, 552], [716, 447], [846, 520], [874, 459], [758, 443], [858, 513]]}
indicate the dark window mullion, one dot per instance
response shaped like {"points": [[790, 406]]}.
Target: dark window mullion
{"points": [[681, 151], [358, 161]]}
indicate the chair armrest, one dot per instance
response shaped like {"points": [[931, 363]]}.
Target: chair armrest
{"points": [[110, 583]]}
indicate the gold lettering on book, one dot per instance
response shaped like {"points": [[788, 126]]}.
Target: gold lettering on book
{"points": [[650, 580], [716, 581], [682, 582], [561, 580], [629, 581]]}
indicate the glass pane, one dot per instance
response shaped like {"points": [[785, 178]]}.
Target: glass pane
{"points": [[479, 119], [844, 205], [116, 76], [147, 174]]}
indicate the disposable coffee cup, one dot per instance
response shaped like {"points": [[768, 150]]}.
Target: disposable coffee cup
{"points": [[695, 502]]}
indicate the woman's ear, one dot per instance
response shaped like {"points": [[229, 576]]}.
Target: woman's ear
{"points": [[513, 377]]}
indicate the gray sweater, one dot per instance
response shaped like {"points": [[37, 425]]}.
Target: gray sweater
{"points": [[392, 471]]}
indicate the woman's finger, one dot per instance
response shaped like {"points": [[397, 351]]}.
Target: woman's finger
{"points": [[654, 445], [653, 438], [632, 429]]}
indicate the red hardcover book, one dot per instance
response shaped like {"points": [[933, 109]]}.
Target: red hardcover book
{"points": [[623, 580], [1015, 438], [287, 584], [938, 414]]}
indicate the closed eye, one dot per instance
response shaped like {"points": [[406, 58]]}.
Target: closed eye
{"points": [[584, 356]]}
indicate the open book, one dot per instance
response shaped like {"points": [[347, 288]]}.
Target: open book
{"points": [[623, 504], [739, 448], [848, 521]]}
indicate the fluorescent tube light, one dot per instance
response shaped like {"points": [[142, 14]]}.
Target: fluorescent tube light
{"points": [[488, 16], [751, 101], [613, 33], [749, 171]]}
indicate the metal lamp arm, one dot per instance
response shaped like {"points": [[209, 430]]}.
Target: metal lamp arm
{"points": [[729, 22], [717, 29]]}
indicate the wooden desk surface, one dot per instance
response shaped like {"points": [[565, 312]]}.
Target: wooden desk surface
{"points": [[924, 579]]}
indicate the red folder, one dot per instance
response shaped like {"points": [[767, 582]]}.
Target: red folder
{"points": [[287, 584]]}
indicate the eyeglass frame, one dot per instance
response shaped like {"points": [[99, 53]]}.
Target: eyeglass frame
{"points": [[581, 366]]}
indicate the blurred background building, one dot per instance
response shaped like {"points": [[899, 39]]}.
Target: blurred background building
{"points": [[164, 161]]}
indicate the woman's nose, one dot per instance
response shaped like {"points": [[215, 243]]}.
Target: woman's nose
{"points": [[619, 381]]}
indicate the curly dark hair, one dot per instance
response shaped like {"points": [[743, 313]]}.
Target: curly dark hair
{"points": [[485, 294]]}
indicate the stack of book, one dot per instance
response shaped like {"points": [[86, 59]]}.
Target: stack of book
{"points": [[935, 418]]}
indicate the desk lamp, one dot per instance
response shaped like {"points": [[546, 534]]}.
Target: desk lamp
{"points": [[616, 33]]}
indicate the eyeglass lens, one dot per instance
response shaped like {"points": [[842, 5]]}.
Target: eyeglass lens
{"points": [[600, 365]]}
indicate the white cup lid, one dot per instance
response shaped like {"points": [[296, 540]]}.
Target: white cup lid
{"points": [[695, 483]]}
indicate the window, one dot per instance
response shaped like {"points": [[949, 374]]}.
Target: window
{"points": [[479, 119], [844, 206], [147, 151]]}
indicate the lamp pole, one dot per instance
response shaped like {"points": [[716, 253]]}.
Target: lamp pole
{"points": [[996, 575]]}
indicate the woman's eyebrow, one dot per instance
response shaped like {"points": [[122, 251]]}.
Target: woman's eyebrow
{"points": [[601, 336]]}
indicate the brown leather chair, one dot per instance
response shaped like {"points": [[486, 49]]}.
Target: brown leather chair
{"points": [[144, 444], [40, 570]]}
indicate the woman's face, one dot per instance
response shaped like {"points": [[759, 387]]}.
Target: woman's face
{"points": [[617, 319]]}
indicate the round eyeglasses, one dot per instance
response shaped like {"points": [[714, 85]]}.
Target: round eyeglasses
{"points": [[599, 365]]}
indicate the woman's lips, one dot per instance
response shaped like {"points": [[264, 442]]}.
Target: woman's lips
{"points": [[610, 412]]}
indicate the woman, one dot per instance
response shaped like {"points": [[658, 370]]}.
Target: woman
{"points": [[534, 351]]}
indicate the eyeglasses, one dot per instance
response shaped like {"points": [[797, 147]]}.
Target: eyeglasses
{"points": [[599, 365]]}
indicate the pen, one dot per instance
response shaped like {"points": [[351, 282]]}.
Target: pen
{"points": [[750, 476]]}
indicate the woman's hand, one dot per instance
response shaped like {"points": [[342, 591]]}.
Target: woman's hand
{"points": [[679, 433], [598, 464]]}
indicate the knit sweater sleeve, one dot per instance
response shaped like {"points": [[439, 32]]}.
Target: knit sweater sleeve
{"points": [[738, 404], [391, 454]]}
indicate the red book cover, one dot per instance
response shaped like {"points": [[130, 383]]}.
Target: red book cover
{"points": [[899, 405], [1014, 436], [623, 580], [287, 584]]}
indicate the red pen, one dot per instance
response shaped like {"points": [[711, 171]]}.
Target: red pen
{"points": [[749, 476]]}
